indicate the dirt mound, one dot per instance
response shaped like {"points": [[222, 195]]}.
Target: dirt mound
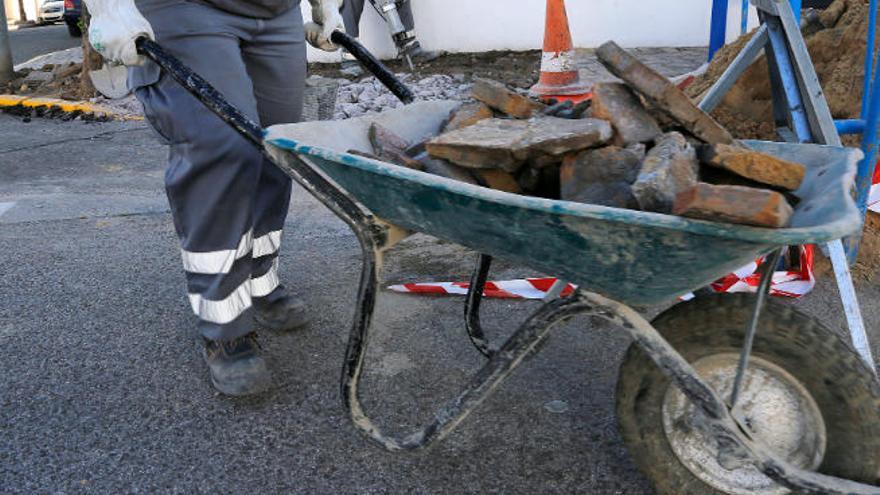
{"points": [[836, 40]]}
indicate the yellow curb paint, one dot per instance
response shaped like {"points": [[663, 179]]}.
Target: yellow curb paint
{"points": [[11, 100], [64, 105]]}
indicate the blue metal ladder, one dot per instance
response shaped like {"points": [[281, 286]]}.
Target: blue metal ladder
{"points": [[802, 115]]}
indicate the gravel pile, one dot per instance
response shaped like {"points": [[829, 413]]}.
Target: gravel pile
{"points": [[369, 96]]}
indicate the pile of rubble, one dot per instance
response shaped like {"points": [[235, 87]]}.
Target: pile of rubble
{"points": [[369, 95], [641, 144]]}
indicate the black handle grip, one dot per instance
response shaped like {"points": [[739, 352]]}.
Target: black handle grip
{"points": [[374, 66], [202, 90]]}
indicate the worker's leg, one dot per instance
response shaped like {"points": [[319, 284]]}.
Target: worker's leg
{"points": [[404, 7], [213, 173], [351, 16], [276, 61]]}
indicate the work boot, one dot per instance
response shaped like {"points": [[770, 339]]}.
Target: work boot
{"points": [[418, 56], [236, 366], [284, 314]]}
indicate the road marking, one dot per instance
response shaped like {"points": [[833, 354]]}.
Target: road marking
{"points": [[4, 207]]}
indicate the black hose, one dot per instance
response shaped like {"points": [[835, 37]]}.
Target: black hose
{"points": [[374, 66]]}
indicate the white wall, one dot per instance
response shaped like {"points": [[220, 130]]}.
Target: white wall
{"points": [[480, 25]]}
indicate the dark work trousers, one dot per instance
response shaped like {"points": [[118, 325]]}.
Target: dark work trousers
{"points": [[229, 203], [352, 10]]}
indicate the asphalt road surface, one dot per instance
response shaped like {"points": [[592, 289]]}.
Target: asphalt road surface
{"points": [[27, 43], [103, 389]]}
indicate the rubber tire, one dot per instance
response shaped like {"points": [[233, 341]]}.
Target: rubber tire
{"points": [[843, 387], [73, 30]]}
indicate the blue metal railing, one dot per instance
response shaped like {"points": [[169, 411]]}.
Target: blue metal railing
{"points": [[869, 119]]}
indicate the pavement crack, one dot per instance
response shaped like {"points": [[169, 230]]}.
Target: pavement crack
{"points": [[100, 135]]}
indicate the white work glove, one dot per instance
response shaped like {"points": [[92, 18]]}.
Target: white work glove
{"points": [[114, 27], [325, 19]]}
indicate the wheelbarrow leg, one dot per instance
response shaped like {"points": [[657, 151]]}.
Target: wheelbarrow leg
{"points": [[472, 305], [770, 264], [502, 362]]}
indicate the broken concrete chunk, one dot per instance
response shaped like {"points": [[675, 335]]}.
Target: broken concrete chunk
{"points": [[35, 78], [499, 97], [390, 147], [734, 204], [602, 176], [468, 115], [668, 169], [385, 141], [506, 144], [487, 144], [496, 179], [616, 103], [557, 136], [445, 169], [662, 93], [397, 159], [759, 167]]}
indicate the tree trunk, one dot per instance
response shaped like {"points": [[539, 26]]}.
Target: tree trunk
{"points": [[91, 58]]}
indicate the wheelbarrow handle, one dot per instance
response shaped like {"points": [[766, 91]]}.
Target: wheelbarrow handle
{"points": [[216, 102], [202, 90]]}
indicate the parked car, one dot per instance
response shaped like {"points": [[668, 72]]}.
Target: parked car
{"points": [[50, 11], [72, 12]]}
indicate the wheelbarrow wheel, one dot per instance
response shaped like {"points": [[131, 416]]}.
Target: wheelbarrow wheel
{"points": [[807, 396]]}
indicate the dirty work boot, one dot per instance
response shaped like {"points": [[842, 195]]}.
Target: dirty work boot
{"points": [[236, 366], [284, 314], [413, 49]]}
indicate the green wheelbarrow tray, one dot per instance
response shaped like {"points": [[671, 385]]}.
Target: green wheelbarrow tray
{"points": [[631, 256], [619, 255]]}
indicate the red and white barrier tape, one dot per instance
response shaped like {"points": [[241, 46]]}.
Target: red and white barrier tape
{"points": [[792, 283], [874, 197]]}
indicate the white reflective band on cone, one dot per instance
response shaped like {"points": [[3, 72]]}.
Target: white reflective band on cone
{"points": [[214, 262], [264, 285], [225, 311], [267, 244], [558, 62]]}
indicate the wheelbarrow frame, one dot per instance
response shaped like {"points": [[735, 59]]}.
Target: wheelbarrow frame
{"points": [[376, 236]]}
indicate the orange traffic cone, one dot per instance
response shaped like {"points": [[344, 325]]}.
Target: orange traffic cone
{"points": [[559, 75]]}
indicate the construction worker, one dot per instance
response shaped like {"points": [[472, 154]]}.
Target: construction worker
{"points": [[228, 203], [398, 15]]}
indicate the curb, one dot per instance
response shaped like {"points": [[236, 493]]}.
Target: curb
{"points": [[66, 106]]}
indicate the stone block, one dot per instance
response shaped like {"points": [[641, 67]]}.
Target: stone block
{"points": [[506, 144], [602, 176], [445, 169], [662, 93], [632, 123], [668, 169], [734, 204], [468, 115], [489, 143], [505, 100], [759, 167], [496, 179]]}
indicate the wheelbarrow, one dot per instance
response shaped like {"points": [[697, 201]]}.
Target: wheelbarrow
{"points": [[722, 394]]}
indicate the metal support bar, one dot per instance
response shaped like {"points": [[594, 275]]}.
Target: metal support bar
{"points": [[850, 126], [736, 69], [718, 30], [790, 86], [812, 97], [472, 305], [867, 96], [763, 291], [851, 308], [6, 72]]}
